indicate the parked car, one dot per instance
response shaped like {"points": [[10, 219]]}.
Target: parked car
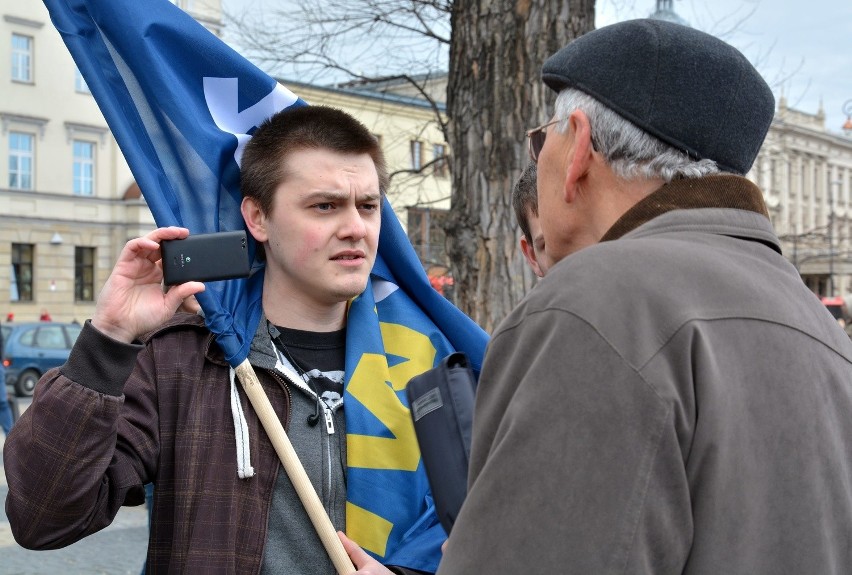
{"points": [[30, 349]]}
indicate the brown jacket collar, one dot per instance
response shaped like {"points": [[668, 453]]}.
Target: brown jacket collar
{"points": [[720, 191]]}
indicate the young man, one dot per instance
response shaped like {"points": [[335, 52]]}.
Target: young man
{"points": [[525, 203], [120, 414], [672, 398]]}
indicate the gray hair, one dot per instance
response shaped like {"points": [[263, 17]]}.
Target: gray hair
{"points": [[629, 151]]}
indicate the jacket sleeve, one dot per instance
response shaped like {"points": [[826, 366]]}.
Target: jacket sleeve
{"points": [[81, 450], [575, 465]]}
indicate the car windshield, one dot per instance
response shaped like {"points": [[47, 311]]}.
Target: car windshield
{"points": [[73, 331]]}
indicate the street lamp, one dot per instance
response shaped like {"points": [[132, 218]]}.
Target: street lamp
{"points": [[847, 109]]}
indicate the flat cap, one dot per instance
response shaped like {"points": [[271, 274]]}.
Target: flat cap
{"points": [[686, 87]]}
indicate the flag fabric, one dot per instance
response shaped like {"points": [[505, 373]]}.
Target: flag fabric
{"points": [[182, 105], [389, 508]]}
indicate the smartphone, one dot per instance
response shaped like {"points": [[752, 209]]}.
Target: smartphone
{"points": [[205, 257]]}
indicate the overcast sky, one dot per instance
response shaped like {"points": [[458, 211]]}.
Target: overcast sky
{"points": [[803, 49]]}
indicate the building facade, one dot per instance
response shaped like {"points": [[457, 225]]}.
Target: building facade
{"points": [[805, 172], [63, 180]]}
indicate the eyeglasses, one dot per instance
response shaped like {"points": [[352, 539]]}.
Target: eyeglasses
{"points": [[536, 138]]}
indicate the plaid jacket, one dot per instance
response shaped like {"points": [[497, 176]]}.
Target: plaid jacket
{"points": [[116, 416], [109, 437]]}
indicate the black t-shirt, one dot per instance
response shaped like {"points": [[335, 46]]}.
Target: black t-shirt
{"points": [[311, 350]]}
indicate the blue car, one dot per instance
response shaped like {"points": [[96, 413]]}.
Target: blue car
{"points": [[30, 349]]}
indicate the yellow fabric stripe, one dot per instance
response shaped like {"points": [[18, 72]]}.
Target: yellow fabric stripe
{"points": [[367, 529]]}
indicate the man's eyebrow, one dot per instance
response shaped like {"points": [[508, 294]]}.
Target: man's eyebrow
{"points": [[337, 195], [370, 197], [325, 195]]}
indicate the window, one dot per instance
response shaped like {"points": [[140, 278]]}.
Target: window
{"points": [[21, 147], [80, 83], [50, 337], [427, 236], [21, 282], [22, 58], [439, 154], [84, 168], [817, 283], [416, 155], [84, 274]]}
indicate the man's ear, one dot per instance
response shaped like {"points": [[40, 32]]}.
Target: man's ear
{"points": [[581, 152], [255, 219], [529, 254]]}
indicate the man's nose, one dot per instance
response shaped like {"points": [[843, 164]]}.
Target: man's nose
{"points": [[353, 225]]}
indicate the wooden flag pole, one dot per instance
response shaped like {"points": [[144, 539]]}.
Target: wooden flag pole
{"points": [[293, 467]]}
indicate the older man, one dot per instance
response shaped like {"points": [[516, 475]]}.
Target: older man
{"points": [[671, 398]]}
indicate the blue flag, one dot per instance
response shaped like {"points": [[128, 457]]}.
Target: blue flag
{"points": [[182, 105], [398, 328]]}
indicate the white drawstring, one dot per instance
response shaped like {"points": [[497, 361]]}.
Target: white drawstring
{"points": [[241, 432]]}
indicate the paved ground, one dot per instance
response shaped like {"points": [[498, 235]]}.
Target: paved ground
{"points": [[118, 549]]}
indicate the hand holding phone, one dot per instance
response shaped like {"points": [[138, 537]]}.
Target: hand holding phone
{"points": [[205, 257], [132, 301]]}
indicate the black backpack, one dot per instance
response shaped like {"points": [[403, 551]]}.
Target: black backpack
{"points": [[441, 401]]}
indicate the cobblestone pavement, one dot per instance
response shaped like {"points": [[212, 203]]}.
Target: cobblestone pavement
{"points": [[117, 550]]}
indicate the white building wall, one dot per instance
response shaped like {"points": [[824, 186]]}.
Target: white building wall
{"points": [[805, 172], [49, 216]]}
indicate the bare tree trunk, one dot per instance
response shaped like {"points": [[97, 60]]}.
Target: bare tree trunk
{"points": [[494, 95]]}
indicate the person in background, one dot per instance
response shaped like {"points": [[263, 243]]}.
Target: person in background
{"points": [[672, 398], [525, 203], [149, 505], [6, 419], [44, 315]]}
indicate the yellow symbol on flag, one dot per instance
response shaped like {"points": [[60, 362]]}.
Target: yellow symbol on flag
{"points": [[369, 530], [368, 385]]}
